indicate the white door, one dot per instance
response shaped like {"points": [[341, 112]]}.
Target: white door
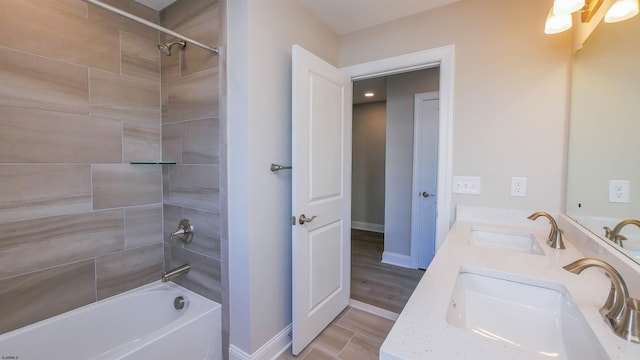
{"points": [[425, 175], [321, 195]]}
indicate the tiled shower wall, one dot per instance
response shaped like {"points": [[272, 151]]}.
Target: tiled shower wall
{"points": [[191, 137], [80, 97]]}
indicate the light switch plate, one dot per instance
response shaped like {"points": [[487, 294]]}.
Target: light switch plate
{"points": [[469, 185]]}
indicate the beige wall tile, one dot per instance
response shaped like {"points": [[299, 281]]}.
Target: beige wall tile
{"points": [[124, 97], [32, 191], [141, 142], [143, 226], [38, 82], [171, 219], [204, 276], [126, 185], [110, 19], [194, 142], [200, 21], [125, 270], [38, 295], [140, 57], [193, 97], [58, 34], [59, 240], [74, 7], [28, 136], [192, 186], [206, 239]]}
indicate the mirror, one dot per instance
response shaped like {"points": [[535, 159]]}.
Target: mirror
{"points": [[603, 177]]}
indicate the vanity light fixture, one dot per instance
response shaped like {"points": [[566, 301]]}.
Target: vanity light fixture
{"points": [[564, 7], [557, 23], [369, 94], [621, 10]]}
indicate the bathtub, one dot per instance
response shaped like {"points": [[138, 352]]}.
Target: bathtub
{"points": [[139, 324]]}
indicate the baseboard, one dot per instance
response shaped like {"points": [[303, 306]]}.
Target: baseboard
{"points": [[271, 350], [361, 225], [371, 309], [396, 259]]}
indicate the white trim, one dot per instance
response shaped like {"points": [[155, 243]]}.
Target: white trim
{"points": [[396, 259], [445, 58], [361, 225], [377, 311], [417, 175], [270, 350]]}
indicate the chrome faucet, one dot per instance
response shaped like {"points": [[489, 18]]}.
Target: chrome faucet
{"points": [[614, 235], [180, 270], [184, 232], [555, 236], [621, 312]]}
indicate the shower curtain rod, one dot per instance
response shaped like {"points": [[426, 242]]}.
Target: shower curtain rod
{"points": [[150, 24]]}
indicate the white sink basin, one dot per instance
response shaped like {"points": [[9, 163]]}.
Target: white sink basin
{"points": [[535, 315], [505, 239]]}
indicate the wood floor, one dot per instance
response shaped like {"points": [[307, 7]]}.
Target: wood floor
{"points": [[356, 334], [372, 282], [353, 335]]}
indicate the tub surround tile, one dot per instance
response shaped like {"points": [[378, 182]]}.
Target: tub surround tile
{"points": [[194, 142], [204, 276], [39, 295], [31, 245], [192, 186], [141, 142], [35, 136], [143, 226], [193, 97], [99, 16], [57, 34], [199, 22], [38, 82], [32, 191], [140, 57], [125, 270], [75, 7], [206, 240], [121, 185], [124, 97]]}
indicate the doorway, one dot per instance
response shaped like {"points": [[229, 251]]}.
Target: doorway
{"points": [[383, 272]]}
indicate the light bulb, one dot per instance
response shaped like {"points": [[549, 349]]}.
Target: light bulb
{"points": [[621, 10], [563, 7], [557, 23]]}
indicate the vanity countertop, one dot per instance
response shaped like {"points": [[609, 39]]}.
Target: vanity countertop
{"points": [[421, 331]]}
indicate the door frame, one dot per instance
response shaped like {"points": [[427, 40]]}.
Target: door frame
{"points": [[444, 58], [415, 184]]}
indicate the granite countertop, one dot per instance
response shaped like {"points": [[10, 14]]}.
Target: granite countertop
{"points": [[421, 331]]}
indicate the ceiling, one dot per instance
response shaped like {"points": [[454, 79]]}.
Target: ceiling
{"points": [[346, 16], [378, 86]]}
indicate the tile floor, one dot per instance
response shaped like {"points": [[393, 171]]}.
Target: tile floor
{"points": [[353, 335]]}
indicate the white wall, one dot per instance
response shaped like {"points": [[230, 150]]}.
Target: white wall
{"points": [[510, 93], [367, 193], [401, 90], [260, 35]]}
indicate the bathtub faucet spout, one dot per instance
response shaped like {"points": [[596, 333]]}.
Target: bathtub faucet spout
{"points": [[180, 270]]}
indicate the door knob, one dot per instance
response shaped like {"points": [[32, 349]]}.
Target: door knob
{"points": [[303, 219], [425, 194]]}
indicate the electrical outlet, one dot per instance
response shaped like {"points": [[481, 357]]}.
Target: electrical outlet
{"points": [[519, 186], [619, 191]]}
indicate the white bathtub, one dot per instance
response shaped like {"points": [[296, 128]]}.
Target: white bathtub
{"points": [[139, 324]]}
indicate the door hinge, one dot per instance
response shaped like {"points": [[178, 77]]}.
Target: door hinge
{"points": [[293, 220]]}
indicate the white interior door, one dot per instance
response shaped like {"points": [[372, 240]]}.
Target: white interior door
{"points": [[321, 195], [425, 175]]}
